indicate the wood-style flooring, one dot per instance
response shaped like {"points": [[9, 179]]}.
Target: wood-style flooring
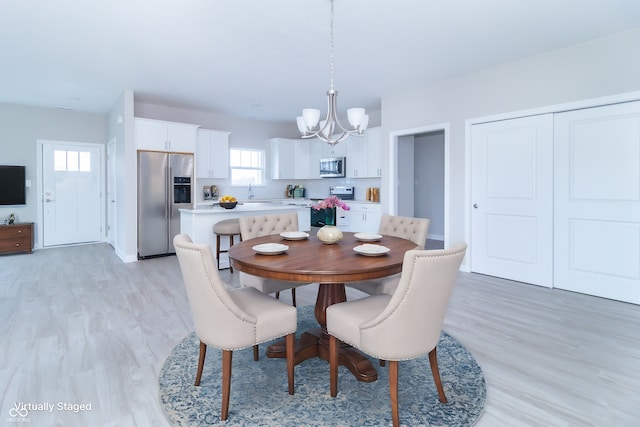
{"points": [[79, 326]]}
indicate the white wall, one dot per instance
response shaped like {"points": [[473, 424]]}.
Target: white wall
{"points": [[598, 68], [121, 128], [20, 129]]}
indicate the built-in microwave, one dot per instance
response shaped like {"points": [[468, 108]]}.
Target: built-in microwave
{"points": [[334, 167]]}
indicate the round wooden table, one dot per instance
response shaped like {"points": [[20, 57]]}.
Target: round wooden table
{"points": [[311, 261]]}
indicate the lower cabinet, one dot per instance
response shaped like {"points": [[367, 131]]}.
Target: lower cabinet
{"points": [[364, 217], [16, 238]]}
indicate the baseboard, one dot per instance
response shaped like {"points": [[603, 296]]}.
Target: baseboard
{"points": [[126, 257]]}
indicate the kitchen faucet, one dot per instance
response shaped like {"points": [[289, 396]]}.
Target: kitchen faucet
{"points": [[250, 195]]}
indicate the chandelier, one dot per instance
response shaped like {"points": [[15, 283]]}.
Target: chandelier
{"points": [[330, 129]]}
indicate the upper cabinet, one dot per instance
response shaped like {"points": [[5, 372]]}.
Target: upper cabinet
{"points": [[212, 154], [158, 135], [329, 151], [364, 154], [300, 158], [357, 152], [295, 158], [283, 158], [375, 152]]}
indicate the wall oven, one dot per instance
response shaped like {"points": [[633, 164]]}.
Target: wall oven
{"points": [[334, 167]]}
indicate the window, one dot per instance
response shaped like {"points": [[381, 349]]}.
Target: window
{"points": [[72, 161], [247, 166]]}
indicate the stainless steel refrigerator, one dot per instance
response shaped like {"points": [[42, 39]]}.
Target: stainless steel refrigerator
{"points": [[164, 187]]}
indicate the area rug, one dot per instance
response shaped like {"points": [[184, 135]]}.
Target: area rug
{"points": [[259, 389]]}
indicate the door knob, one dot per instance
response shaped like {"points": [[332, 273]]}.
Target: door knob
{"points": [[475, 206], [49, 200]]}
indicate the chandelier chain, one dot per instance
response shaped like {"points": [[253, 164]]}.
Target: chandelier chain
{"points": [[331, 49], [331, 124]]}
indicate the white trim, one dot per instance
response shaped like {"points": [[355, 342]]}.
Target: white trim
{"points": [[393, 177], [40, 185], [555, 108], [111, 236]]}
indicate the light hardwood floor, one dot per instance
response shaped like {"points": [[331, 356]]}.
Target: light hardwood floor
{"points": [[79, 326]]}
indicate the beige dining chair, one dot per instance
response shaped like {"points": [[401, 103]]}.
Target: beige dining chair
{"points": [[265, 225], [402, 326], [230, 319], [414, 229]]}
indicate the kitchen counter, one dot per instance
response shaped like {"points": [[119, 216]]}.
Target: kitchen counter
{"points": [[198, 223]]}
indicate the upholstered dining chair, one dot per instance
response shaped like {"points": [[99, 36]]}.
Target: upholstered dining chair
{"points": [[414, 229], [230, 319], [264, 225], [402, 326]]}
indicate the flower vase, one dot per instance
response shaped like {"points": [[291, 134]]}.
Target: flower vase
{"points": [[330, 216]]}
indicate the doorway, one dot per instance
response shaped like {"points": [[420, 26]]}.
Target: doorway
{"points": [[419, 180], [71, 183]]}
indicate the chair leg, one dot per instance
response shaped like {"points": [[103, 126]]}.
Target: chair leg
{"points": [[382, 362], [393, 391], [277, 295], [433, 360], [256, 354], [230, 244], [218, 250], [290, 343], [333, 365], [203, 354], [293, 296], [227, 356]]}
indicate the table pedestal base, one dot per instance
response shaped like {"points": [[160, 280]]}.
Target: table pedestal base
{"points": [[315, 343]]}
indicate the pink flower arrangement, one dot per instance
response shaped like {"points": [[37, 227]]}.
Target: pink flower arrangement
{"points": [[331, 202]]}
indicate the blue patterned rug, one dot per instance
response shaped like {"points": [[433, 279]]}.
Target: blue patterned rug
{"points": [[259, 389]]}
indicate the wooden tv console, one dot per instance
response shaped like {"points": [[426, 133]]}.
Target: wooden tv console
{"points": [[16, 237]]}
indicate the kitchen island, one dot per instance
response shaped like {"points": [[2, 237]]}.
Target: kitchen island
{"points": [[198, 223]]}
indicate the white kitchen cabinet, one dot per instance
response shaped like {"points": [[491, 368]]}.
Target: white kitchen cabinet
{"points": [[329, 151], [302, 155], [357, 156], [212, 154], [283, 158], [315, 154], [364, 155], [364, 217], [159, 135], [374, 140], [295, 158]]}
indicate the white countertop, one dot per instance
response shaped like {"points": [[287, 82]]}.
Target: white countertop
{"points": [[247, 207]]}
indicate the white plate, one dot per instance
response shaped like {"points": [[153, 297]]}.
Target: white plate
{"points": [[371, 250], [270, 248], [294, 235], [368, 237]]}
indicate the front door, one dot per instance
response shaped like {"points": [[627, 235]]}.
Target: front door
{"points": [[511, 197], [71, 193]]}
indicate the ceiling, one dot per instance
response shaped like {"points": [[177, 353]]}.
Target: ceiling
{"points": [[269, 59]]}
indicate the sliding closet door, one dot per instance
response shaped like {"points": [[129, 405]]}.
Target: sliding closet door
{"points": [[597, 201], [511, 190]]}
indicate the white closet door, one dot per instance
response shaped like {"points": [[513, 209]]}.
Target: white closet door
{"points": [[511, 190], [597, 201]]}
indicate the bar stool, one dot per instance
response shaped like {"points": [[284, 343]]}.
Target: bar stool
{"points": [[227, 227]]}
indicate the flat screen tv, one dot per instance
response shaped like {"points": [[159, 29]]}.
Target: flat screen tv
{"points": [[12, 185]]}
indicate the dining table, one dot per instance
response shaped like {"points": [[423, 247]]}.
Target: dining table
{"points": [[306, 259]]}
